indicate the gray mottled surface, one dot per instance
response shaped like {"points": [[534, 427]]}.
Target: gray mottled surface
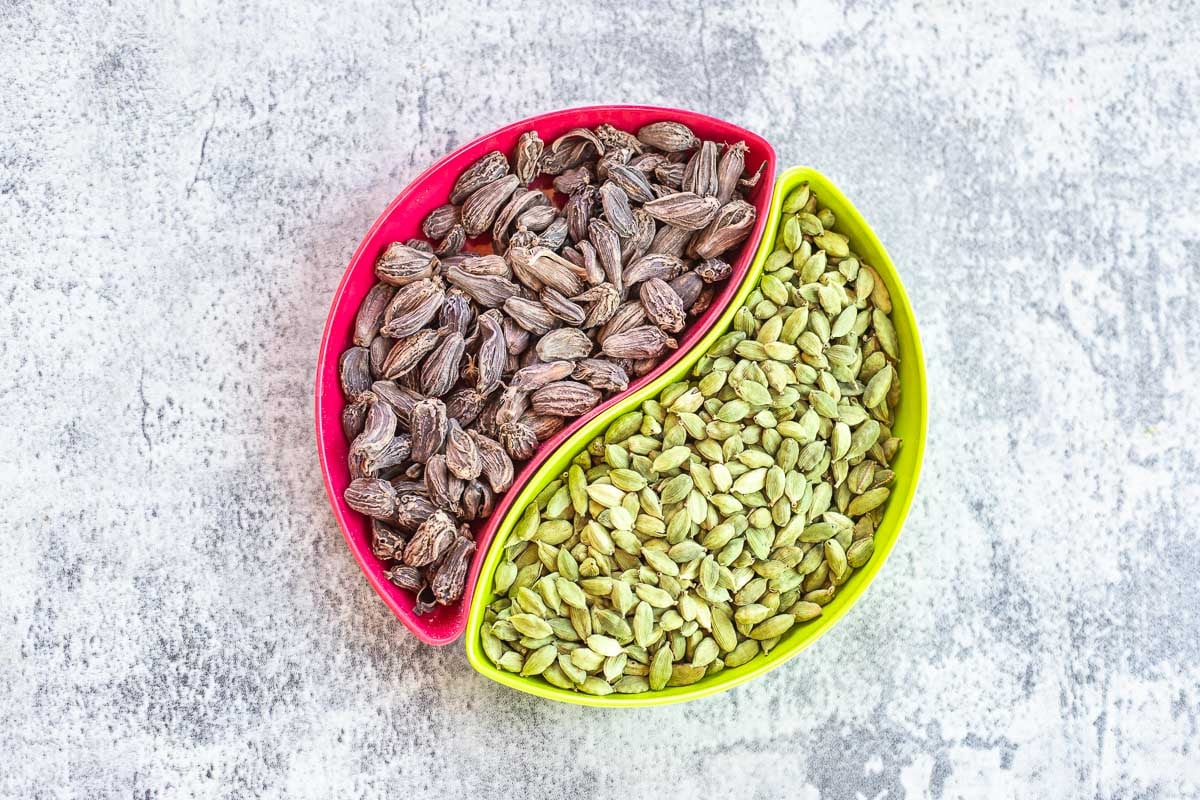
{"points": [[180, 190]]}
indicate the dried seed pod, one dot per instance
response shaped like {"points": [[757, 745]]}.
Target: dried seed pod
{"points": [[572, 180], [664, 308], [371, 313], [453, 243], [608, 250], [574, 137], [379, 428], [613, 138], [655, 265], [617, 157], [354, 416], [462, 457], [538, 375], [427, 423], [593, 273], [432, 539], [670, 241], [419, 244], [379, 349], [440, 370], [628, 315], [486, 170], [707, 295], [551, 269], [413, 307], [554, 163], [646, 163], [491, 358], [670, 137], [354, 373], [632, 181], [564, 344], [538, 218], [496, 465], [518, 259], [701, 177], [449, 579], [399, 398], [464, 405], [578, 212], [490, 291], [513, 405], [544, 425], [518, 440], [555, 235], [729, 227], [456, 313], [712, 270], [530, 315], [683, 210], [616, 209], [644, 366], [401, 265], [485, 265], [405, 577], [516, 338], [396, 452], [439, 221], [636, 246], [412, 509], [480, 209], [603, 301], [729, 171], [372, 497], [670, 175], [441, 486], [562, 308], [408, 352], [565, 399], [521, 201], [646, 341], [529, 152], [473, 500], [602, 374], [688, 286], [386, 542]]}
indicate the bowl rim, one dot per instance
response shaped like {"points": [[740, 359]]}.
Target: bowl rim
{"points": [[897, 509], [326, 353]]}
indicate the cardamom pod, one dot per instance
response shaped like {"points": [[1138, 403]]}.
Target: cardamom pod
{"points": [[401, 265], [632, 182], [601, 374], [428, 425], [440, 369], [371, 313], [729, 171], [491, 167], [535, 376], [684, 210], [439, 221], [462, 456], [354, 373], [646, 341], [371, 496], [663, 307], [564, 344], [616, 209], [731, 225], [431, 540], [670, 137], [529, 152], [565, 399], [412, 308], [490, 291], [655, 265], [608, 251], [562, 308], [481, 208]]}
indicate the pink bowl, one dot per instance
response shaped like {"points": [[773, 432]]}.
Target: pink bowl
{"points": [[402, 220]]}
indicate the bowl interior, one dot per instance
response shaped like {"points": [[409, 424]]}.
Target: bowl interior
{"points": [[402, 220], [909, 425]]}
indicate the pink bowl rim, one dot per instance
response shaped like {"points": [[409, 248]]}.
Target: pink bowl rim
{"points": [[377, 583]]}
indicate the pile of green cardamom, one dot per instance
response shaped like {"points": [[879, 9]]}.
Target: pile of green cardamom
{"points": [[699, 530]]}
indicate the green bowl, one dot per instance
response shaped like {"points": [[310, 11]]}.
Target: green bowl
{"points": [[910, 424]]}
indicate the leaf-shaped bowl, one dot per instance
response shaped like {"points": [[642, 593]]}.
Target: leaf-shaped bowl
{"points": [[402, 220], [910, 424]]}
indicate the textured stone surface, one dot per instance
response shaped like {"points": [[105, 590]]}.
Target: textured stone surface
{"points": [[180, 190]]}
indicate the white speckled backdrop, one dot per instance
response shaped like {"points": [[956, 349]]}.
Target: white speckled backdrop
{"points": [[181, 187]]}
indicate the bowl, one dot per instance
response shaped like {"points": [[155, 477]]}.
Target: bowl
{"points": [[402, 220], [910, 424]]}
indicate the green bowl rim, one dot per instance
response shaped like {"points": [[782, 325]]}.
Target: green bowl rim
{"points": [[898, 506]]}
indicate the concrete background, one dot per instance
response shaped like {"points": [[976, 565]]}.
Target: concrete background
{"points": [[181, 187]]}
